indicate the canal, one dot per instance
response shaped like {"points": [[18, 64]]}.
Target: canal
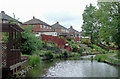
{"points": [[82, 67]]}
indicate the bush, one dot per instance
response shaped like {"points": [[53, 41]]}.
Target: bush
{"points": [[74, 47], [80, 50], [29, 42], [66, 53], [85, 41], [97, 48], [55, 45], [49, 55], [68, 38], [34, 60], [45, 42]]}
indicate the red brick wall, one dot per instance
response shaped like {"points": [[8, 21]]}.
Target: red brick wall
{"points": [[60, 42], [77, 38], [37, 28]]}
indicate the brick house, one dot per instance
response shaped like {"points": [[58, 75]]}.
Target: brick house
{"points": [[73, 32], [62, 31], [4, 18], [40, 27]]}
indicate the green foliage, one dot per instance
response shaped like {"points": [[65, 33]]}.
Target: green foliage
{"points": [[60, 37], [105, 28], [63, 54], [55, 45], [68, 38], [80, 50], [5, 37], [74, 54], [103, 57], [66, 53], [45, 42], [89, 26], [29, 43], [49, 55], [34, 60], [74, 47], [97, 48], [85, 41], [53, 49]]}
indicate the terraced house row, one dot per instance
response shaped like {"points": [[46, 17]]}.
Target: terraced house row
{"points": [[41, 27]]}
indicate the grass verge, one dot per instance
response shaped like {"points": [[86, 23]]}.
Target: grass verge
{"points": [[103, 57]]}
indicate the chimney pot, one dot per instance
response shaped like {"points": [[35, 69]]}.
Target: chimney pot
{"points": [[33, 17], [2, 12], [57, 22], [70, 26]]}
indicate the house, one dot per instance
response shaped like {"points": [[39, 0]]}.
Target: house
{"points": [[73, 32], [4, 18], [61, 30], [40, 27]]}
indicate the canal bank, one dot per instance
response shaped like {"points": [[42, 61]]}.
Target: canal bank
{"points": [[74, 68]]}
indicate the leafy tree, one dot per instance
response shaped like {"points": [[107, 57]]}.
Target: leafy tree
{"points": [[30, 43], [89, 26], [110, 23]]}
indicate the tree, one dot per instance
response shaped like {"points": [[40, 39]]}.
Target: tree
{"points": [[89, 26], [30, 43], [110, 22]]}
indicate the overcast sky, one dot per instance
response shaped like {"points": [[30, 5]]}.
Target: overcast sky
{"points": [[67, 12]]}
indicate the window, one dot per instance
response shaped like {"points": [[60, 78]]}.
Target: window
{"points": [[47, 27], [50, 27], [44, 26], [62, 30], [40, 26]]}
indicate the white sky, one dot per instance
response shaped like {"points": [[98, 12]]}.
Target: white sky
{"points": [[67, 12]]}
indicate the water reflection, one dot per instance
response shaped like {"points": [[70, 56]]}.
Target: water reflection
{"points": [[81, 68], [74, 68]]}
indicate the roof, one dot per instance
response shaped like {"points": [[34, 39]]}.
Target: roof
{"points": [[5, 27], [35, 21], [73, 30], [57, 25], [7, 17]]}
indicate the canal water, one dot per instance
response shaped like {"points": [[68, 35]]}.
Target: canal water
{"points": [[82, 67]]}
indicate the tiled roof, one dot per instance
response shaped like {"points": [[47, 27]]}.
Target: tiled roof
{"points": [[7, 17], [73, 30], [36, 21], [57, 25]]}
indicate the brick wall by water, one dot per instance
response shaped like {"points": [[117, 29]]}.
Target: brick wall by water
{"points": [[60, 42], [77, 38]]}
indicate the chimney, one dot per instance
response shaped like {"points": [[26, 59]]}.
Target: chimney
{"points": [[2, 12], [33, 17], [70, 26], [57, 22]]}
